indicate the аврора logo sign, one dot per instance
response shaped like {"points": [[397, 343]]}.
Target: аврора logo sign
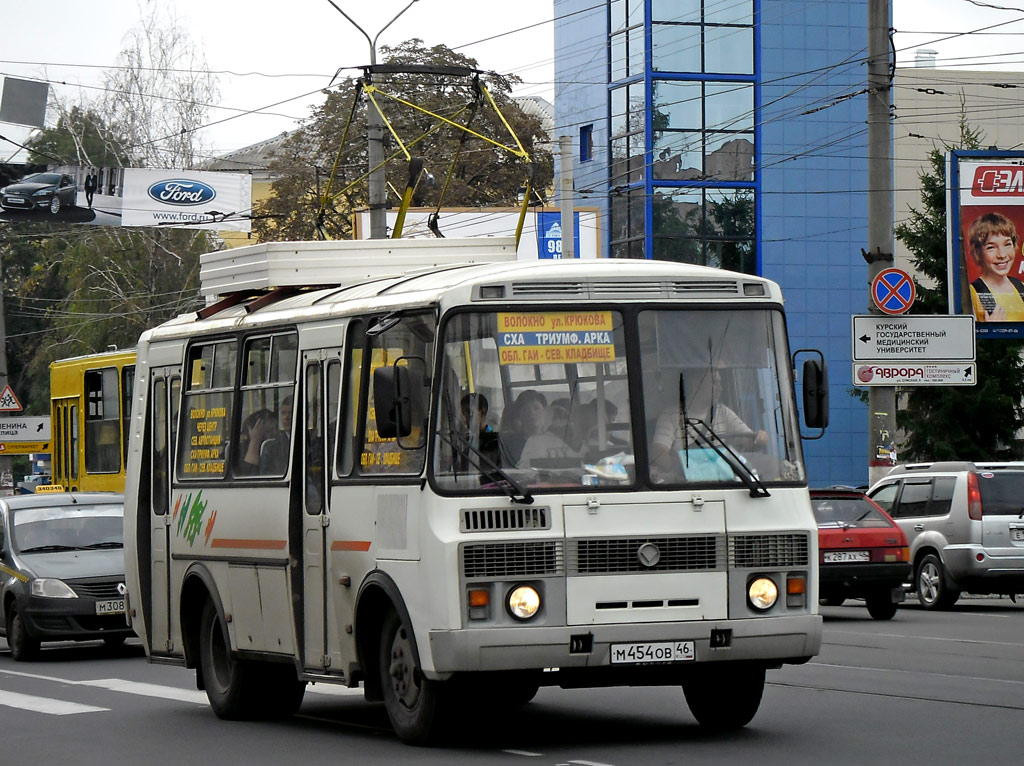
{"points": [[180, 191], [998, 181]]}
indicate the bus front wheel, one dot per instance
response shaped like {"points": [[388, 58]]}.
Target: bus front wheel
{"points": [[414, 703], [227, 680], [722, 696]]}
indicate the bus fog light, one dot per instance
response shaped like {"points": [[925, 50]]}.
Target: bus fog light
{"points": [[523, 602], [762, 594]]}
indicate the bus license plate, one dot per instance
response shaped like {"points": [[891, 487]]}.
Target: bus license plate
{"points": [[835, 557], [654, 651], [110, 606]]}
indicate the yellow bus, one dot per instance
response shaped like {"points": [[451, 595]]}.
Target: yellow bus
{"points": [[90, 403]]}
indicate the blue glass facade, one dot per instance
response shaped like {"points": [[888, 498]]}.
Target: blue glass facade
{"points": [[731, 133]]}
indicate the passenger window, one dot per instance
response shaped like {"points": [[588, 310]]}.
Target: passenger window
{"points": [[267, 391], [914, 500], [885, 496], [102, 422], [411, 338], [159, 447], [209, 397], [942, 496], [354, 373]]}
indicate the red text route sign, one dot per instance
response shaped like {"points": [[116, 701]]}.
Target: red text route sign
{"points": [[893, 291]]}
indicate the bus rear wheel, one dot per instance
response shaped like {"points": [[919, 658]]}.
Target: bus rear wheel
{"points": [[415, 704], [724, 697]]}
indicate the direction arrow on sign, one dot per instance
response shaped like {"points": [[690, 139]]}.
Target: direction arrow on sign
{"points": [[914, 339]]}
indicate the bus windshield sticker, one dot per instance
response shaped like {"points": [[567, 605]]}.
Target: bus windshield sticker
{"points": [[564, 337]]}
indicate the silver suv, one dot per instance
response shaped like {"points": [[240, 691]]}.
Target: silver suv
{"points": [[964, 523]]}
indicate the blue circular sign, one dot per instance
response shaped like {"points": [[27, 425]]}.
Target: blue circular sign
{"points": [[893, 291]]}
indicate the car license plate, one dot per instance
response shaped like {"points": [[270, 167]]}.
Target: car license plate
{"points": [[110, 606], [840, 557], [652, 651], [1017, 535]]}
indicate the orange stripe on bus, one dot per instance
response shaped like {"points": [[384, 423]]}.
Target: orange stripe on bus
{"points": [[350, 545], [263, 545]]}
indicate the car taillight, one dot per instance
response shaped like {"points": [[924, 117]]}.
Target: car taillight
{"points": [[973, 497]]}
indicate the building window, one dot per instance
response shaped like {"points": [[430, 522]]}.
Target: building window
{"points": [[626, 38], [706, 226], [586, 143]]}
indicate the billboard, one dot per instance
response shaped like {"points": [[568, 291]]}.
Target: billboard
{"points": [[985, 208], [127, 197]]}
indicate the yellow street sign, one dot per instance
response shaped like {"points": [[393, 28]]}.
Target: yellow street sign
{"points": [[23, 448]]}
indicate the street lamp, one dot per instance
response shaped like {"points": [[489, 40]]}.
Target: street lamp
{"points": [[375, 138]]}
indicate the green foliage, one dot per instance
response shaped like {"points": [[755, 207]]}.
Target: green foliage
{"points": [[946, 422], [483, 175], [80, 138]]}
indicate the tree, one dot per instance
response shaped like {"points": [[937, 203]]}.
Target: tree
{"points": [[484, 174], [957, 423]]}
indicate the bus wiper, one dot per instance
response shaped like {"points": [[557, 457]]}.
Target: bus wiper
{"points": [[51, 548], [106, 544], [734, 461], [464, 447]]}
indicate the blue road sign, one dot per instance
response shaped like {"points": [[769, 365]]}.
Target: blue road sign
{"points": [[893, 291]]}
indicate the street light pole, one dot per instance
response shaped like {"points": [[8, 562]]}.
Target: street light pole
{"points": [[375, 139]]}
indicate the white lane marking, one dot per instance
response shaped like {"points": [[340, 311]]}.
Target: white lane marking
{"points": [[862, 668], [590, 763], [46, 705], [147, 690], [526, 753], [971, 641]]}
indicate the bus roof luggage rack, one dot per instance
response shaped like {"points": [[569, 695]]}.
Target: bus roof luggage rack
{"points": [[338, 262]]}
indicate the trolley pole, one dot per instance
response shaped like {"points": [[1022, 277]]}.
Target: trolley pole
{"points": [[881, 399], [378, 196]]}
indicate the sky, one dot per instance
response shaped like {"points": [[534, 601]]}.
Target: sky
{"points": [[271, 52]]}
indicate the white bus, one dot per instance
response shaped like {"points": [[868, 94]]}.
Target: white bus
{"points": [[424, 467]]}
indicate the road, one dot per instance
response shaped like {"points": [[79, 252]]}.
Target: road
{"points": [[924, 688]]}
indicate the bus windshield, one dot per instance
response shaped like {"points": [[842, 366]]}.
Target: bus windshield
{"points": [[542, 400]]}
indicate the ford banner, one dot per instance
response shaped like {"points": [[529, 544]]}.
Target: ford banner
{"points": [[187, 198]]}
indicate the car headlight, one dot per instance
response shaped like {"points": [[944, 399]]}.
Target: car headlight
{"points": [[762, 594], [523, 602], [43, 192], [47, 587]]}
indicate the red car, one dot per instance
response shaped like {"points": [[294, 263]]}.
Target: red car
{"points": [[862, 553]]}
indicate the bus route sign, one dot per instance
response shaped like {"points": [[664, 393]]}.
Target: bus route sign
{"points": [[556, 337]]}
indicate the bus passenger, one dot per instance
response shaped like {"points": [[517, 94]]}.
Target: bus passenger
{"points": [[540, 445]]}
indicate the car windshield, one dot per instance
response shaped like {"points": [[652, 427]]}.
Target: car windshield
{"points": [[68, 527], [41, 178], [846, 512], [539, 399]]}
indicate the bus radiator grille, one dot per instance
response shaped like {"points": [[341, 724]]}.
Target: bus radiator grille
{"points": [[691, 553], [504, 519], [525, 559], [786, 549]]}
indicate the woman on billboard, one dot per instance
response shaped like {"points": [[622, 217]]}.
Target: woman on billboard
{"points": [[995, 295]]}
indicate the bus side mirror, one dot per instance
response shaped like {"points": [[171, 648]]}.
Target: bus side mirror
{"points": [[815, 390], [391, 403], [399, 398]]}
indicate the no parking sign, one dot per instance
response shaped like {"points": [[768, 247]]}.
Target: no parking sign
{"points": [[893, 291]]}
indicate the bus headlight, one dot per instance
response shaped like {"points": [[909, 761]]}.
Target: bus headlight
{"points": [[762, 594], [523, 602]]}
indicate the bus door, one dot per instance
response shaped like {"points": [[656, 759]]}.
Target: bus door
{"points": [[65, 442], [165, 393], [321, 387]]}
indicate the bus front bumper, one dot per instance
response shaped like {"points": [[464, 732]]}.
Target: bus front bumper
{"points": [[771, 640]]}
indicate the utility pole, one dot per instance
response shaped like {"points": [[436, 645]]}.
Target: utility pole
{"points": [[565, 201], [375, 139], [881, 399]]}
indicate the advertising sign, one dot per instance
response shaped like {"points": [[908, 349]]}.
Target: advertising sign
{"points": [[924, 374], [114, 196], [187, 198], [985, 231]]}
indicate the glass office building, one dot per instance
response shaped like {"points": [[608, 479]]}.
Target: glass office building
{"points": [[732, 133]]}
